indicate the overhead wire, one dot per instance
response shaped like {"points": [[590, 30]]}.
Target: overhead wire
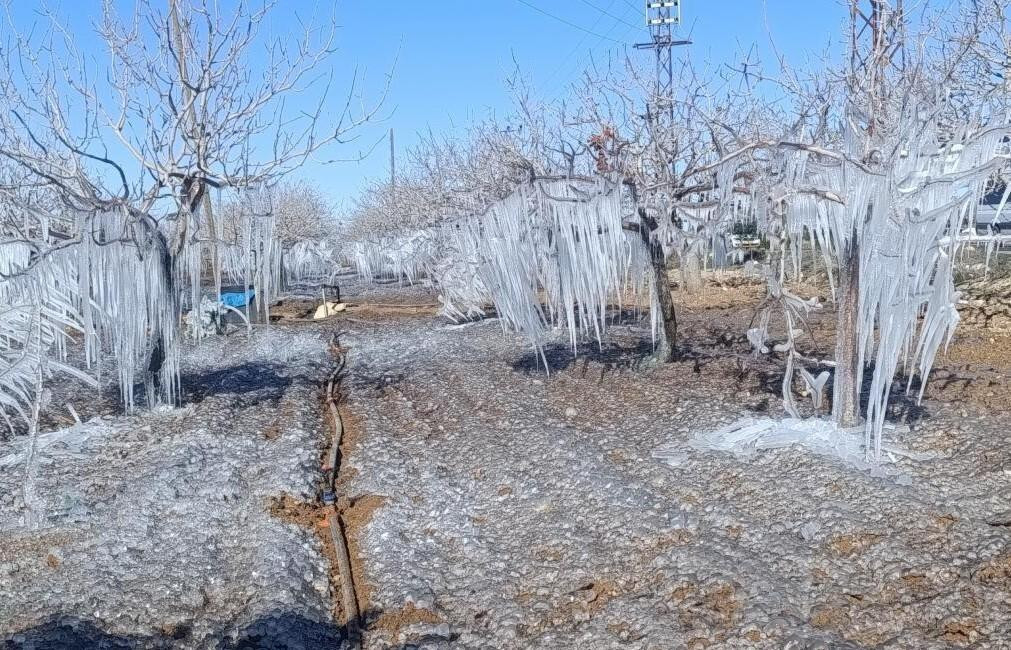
{"points": [[606, 13], [564, 21], [605, 36], [578, 46]]}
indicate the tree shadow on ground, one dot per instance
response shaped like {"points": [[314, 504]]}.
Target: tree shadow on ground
{"points": [[558, 357], [251, 383], [274, 631], [902, 406], [270, 632]]}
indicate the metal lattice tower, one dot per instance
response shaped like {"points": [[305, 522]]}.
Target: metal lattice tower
{"points": [[877, 41], [661, 18], [877, 58]]}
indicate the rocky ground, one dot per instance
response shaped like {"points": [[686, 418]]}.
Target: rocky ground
{"points": [[491, 505]]}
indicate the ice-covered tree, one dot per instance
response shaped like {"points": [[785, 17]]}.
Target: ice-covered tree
{"points": [[128, 153], [609, 140], [882, 181], [106, 173], [663, 151]]}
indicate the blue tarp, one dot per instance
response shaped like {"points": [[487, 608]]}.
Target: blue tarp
{"points": [[238, 298]]}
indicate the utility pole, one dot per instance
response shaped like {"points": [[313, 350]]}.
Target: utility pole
{"points": [[393, 163], [661, 17], [877, 48], [877, 35]]}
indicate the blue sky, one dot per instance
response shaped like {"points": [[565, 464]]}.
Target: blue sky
{"points": [[452, 56]]}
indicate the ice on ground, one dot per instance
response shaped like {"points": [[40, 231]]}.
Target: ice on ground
{"points": [[821, 436], [519, 523], [157, 530], [71, 442]]}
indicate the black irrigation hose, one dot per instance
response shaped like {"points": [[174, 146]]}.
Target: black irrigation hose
{"points": [[349, 598]]}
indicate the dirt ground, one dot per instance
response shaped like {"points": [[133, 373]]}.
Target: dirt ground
{"points": [[525, 510], [188, 527], [491, 504]]}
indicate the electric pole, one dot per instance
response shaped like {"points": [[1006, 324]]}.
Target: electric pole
{"points": [[393, 163], [877, 35], [661, 17], [877, 48]]}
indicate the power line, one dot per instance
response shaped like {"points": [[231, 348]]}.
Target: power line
{"points": [[562, 20], [579, 44], [572, 68], [609, 15]]}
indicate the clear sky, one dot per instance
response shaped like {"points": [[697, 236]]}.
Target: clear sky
{"points": [[455, 54], [451, 56]]}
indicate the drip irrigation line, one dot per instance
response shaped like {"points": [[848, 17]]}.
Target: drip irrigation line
{"points": [[338, 533], [393, 305]]}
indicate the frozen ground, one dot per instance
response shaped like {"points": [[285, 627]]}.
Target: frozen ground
{"points": [[492, 506], [526, 511], [158, 532]]}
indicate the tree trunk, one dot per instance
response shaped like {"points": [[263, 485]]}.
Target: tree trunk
{"points": [[666, 349], [160, 391], [34, 513], [846, 386], [212, 229]]}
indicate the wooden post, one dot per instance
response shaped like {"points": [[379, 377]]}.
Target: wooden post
{"points": [[393, 163]]}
